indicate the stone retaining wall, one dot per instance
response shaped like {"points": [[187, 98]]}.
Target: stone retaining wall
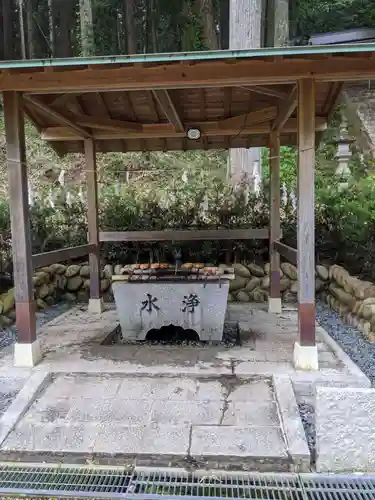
{"points": [[252, 282], [56, 283], [351, 297]]}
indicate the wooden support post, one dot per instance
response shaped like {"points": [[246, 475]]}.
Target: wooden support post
{"points": [[95, 302], [274, 301], [305, 353], [27, 350]]}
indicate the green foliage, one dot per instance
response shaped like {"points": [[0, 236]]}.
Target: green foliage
{"points": [[310, 17]]}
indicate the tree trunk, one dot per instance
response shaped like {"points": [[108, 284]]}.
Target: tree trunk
{"points": [[224, 24], [31, 52], [7, 29], [209, 24], [277, 23], [63, 28], [52, 26], [87, 28], [245, 27], [154, 19], [22, 28], [131, 32]]}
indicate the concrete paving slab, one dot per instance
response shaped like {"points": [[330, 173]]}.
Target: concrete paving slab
{"points": [[157, 388], [122, 439], [166, 440], [83, 386], [241, 414], [242, 442], [111, 411], [345, 430], [32, 438], [180, 413], [254, 389], [46, 410]]}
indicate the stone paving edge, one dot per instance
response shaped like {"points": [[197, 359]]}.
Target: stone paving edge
{"points": [[22, 402], [291, 423]]}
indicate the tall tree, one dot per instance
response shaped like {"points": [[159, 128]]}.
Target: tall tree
{"points": [[52, 26], [277, 23], [63, 29], [224, 24], [210, 35], [131, 31], [31, 49], [21, 13], [245, 28], [87, 28]]}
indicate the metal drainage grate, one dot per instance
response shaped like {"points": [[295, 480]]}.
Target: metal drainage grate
{"points": [[327, 487], [79, 482]]}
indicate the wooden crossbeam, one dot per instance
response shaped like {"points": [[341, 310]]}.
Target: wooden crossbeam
{"points": [[286, 251], [245, 72], [48, 258], [165, 130], [47, 110], [285, 110], [165, 102], [188, 235]]}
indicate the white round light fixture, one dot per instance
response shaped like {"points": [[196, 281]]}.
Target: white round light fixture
{"points": [[194, 134]]}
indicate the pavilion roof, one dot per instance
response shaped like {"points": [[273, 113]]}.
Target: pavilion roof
{"points": [[148, 102]]}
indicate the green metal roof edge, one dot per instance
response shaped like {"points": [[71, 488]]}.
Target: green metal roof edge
{"points": [[191, 56]]}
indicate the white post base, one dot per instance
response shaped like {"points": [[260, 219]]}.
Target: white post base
{"points": [[96, 306], [274, 306], [27, 355], [305, 357]]}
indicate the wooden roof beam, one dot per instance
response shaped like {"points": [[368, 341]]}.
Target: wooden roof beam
{"points": [[165, 102], [166, 130], [246, 72], [286, 110], [47, 110]]}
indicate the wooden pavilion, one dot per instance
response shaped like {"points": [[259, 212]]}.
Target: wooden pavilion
{"points": [[267, 97]]}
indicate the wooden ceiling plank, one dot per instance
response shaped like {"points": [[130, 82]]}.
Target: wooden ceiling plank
{"points": [[107, 123], [166, 130], [285, 110], [245, 72], [167, 105], [57, 116], [64, 99]]}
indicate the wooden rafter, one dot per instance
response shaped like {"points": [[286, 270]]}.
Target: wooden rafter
{"points": [[47, 110], [250, 118], [331, 99], [107, 123], [167, 105], [285, 110], [268, 91], [246, 72], [166, 130]]}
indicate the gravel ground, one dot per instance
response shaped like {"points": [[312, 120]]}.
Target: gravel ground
{"points": [[307, 414], [351, 340], [8, 335]]}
